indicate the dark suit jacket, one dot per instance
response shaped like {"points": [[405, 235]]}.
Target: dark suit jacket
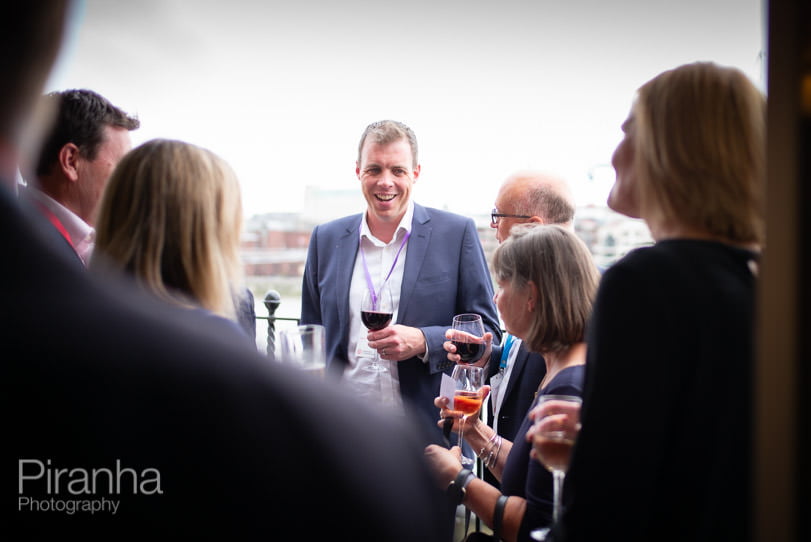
{"points": [[31, 206], [97, 376], [445, 274], [525, 378]]}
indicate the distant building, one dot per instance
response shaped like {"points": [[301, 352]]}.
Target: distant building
{"points": [[609, 235], [275, 244]]}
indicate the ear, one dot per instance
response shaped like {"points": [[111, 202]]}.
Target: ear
{"points": [[532, 296], [417, 172], [536, 220], [69, 161], [357, 169]]}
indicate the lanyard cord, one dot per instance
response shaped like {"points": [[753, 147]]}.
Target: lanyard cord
{"points": [[369, 282], [505, 352]]}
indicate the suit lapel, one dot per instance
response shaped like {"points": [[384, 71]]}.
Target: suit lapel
{"points": [[416, 251], [346, 252], [518, 367]]}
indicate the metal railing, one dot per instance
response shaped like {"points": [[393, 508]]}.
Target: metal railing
{"points": [[272, 301]]}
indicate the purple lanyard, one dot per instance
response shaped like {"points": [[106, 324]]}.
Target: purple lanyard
{"points": [[369, 282]]}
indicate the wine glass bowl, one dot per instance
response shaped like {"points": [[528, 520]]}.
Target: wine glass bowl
{"points": [[304, 347], [467, 337], [376, 311], [554, 447], [554, 450], [554, 436], [467, 398]]}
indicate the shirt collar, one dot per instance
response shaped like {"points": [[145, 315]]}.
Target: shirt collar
{"points": [[403, 228], [77, 228]]}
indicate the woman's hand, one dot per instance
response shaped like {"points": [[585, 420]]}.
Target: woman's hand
{"points": [[445, 412], [487, 340]]}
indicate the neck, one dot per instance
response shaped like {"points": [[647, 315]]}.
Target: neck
{"points": [[63, 191], [382, 228], [557, 361]]}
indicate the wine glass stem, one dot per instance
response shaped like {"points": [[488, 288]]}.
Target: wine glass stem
{"points": [[558, 476], [462, 437]]}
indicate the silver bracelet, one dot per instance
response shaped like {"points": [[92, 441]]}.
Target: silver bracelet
{"points": [[492, 457], [487, 444]]}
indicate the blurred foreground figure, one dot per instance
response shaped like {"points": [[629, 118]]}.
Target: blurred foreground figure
{"points": [[126, 420]]}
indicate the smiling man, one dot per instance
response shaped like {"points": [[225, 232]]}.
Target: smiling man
{"points": [[432, 262]]}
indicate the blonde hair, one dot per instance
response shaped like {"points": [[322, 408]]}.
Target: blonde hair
{"points": [[171, 216], [700, 150], [558, 262]]}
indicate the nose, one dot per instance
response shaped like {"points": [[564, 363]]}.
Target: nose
{"points": [[386, 178]]}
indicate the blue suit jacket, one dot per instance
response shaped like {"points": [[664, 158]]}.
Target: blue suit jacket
{"points": [[445, 274], [526, 376]]}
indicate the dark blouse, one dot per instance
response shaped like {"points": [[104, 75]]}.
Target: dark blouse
{"points": [[526, 477], [665, 449]]}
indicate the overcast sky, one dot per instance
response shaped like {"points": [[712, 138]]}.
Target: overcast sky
{"points": [[283, 90]]}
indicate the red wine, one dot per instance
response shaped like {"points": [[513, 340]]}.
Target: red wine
{"points": [[469, 351], [375, 320]]}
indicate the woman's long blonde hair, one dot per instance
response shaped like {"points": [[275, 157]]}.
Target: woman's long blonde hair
{"points": [[171, 216]]}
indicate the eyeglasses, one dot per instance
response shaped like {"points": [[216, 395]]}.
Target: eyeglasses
{"points": [[495, 216]]}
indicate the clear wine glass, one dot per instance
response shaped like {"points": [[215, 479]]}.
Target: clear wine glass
{"points": [[555, 433], [304, 347], [376, 311], [468, 331], [467, 398]]}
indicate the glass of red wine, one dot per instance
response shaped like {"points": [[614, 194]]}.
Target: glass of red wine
{"points": [[468, 333], [376, 311], [467, 398]]}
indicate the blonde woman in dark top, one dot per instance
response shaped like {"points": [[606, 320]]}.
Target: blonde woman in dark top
{"points": [[665, 448], [171, 217]]}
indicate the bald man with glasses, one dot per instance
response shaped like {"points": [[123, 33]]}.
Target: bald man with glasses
{"points": [[514, 373]]}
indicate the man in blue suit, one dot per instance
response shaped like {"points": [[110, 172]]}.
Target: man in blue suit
{"points": [[514, 373], [432, 262]]}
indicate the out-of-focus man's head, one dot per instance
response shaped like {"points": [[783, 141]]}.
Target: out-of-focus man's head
{"points": [[30, 39]]}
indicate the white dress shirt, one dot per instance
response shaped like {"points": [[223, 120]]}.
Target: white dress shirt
{"points": [[380, 387], [82, 235]]}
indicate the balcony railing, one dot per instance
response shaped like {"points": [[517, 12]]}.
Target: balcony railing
{"points": [[272, 301]]}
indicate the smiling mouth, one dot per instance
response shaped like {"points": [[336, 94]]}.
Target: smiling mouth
{"points": [[385, 197]]}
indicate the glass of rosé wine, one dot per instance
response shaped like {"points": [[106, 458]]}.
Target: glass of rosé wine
{"points": [[467, 398]]}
